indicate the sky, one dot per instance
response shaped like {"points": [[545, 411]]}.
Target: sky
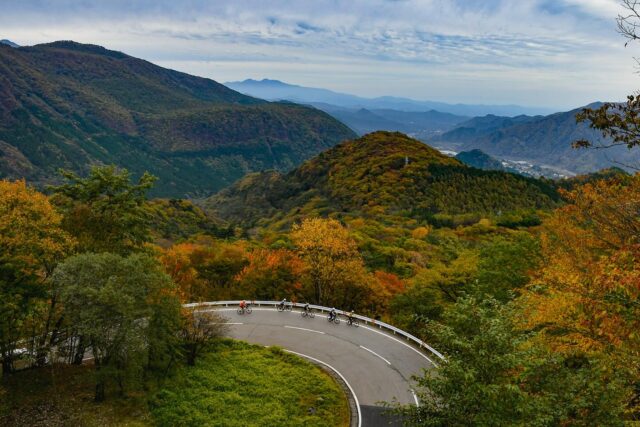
{"points": [[548, 53]]}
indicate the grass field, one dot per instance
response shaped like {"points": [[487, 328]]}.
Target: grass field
{"points": [[236, 384], [243, 385]]}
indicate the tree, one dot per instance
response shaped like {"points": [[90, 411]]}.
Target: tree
{"points": [[505, 265], [31, 243], [104, 211], [199, 330], [497, 374], [271, 274], [620, 122], [117, 306], [206, 270], [585, 298], [476, 384], [336, 275]]}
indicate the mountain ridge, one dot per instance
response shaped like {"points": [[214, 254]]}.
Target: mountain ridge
{"points": [[70, 105], [544, 140]]}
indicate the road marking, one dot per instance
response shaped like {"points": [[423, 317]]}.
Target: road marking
{"points": [[415, 397], [341, 376], [304, 329], [362, 326], [375, 354], [403, 343]]}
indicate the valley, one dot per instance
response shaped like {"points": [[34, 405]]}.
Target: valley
{"points": [[176, 251]]}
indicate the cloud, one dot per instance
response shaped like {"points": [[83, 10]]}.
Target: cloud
{"points": [[558, 47]]}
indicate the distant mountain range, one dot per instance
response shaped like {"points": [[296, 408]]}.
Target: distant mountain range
{"points": [[277, 90], [417, 124], [70, 105], [544, 141]]}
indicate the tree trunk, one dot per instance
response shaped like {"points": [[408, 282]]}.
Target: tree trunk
{"points": [[7, 366], [80, 350], [192, 352], [99, 391]]}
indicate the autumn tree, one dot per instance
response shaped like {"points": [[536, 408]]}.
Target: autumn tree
{"points": [[585, 298], [336, 275], [271, 274], [205, 270], [105, 211], [31, 243]]}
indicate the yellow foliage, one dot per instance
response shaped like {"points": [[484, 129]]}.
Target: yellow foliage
{"points": [[30, 228], [421, 232]]}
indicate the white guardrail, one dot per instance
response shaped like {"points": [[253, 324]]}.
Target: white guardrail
{"points": [[381, 325]]}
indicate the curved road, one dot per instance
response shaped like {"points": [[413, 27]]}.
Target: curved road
{"points": [[377, 365]]}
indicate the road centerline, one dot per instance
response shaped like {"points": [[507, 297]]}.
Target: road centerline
{"points": [[375, 354], [304, 329], [403, 343]]}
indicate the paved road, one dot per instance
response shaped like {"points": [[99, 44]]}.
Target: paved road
{"points": [[377, 365]]}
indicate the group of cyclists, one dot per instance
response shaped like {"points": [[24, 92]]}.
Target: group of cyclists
{"points": [[306, 312], [245, 307]]}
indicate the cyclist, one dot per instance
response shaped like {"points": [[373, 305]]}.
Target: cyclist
{"points": [[282, 303], [243, 304], [332, 314], [350, 317], [306, 307]]}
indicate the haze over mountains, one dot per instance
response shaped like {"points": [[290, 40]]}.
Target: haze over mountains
{"points": [[277, 90], [534, 143], [70, 105]]}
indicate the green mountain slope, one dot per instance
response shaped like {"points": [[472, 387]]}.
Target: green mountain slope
{"points": [[71, 105], [380, 175], [542, 140]]}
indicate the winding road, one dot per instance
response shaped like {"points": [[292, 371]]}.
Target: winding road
{"points": [[376, 365]]}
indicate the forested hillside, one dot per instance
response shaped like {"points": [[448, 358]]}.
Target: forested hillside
{"points": [[381, 174], [69, 105]]}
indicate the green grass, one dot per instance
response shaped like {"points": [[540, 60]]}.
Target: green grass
{"points": [[236, 384], [240, 384]]}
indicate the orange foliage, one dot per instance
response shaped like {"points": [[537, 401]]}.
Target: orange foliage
{"points": [[272, 274], [587, 295]]}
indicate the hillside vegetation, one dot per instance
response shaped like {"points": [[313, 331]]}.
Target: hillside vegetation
{"points": [[69, 105], [380, 174]]}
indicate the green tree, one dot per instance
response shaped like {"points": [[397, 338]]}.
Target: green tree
{"points": [[19, 293], [105, 212], [506, 264], [475, 385], [498, 375], [124, 308]]}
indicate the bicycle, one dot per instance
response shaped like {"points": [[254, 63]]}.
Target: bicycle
{"points": [[310, 314], [334, 319], [284, 307], [244, 310], [353, 322]]}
